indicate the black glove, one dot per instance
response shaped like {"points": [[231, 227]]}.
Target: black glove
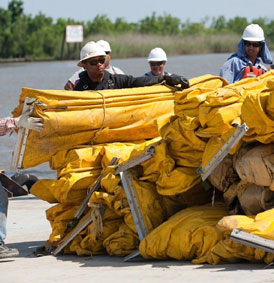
{"points": [[24, 179], [174, 80]]}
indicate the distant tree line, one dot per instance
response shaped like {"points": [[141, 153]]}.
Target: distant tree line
{"points": [[24, 36]]}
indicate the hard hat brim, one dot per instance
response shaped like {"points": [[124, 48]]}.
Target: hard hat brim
{"points": [[257, 39], [91, 55], [156, 60]]}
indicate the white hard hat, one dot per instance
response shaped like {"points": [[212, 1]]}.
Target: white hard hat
{"points": [[253, 32], [105, 45], [157, 54], [90, 50]]}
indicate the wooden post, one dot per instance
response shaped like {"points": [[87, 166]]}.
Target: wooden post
{"points": [[62, 45]]}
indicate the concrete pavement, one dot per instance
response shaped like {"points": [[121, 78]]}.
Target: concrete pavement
{"points": [[29, 229]]}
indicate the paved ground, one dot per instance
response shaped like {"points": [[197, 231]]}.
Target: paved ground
{"points": [[28, 229]]}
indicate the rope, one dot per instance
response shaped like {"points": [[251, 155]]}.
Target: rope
{"points": [[103, 122]]}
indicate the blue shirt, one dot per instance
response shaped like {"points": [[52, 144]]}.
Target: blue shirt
{"points": [[233, 68]]}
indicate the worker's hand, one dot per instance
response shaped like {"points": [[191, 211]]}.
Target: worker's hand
{"points": [[24, 179], [25, 121], [174, 80]]}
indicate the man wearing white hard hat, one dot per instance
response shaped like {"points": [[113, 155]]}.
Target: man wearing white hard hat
{"points": [[95, 77], [252, 49], [113, 70], [108, 67], [157, 60]]}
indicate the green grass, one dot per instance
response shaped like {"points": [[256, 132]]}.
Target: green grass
{"points": [[139, 45]]}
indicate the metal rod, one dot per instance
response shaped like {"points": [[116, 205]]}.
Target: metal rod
{"points": [[133, 204], [96, 186], [135, 161], [222, 153], [74, 233], [252, 240], [132, 255]]}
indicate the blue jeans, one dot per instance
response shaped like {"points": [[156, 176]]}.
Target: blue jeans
{"points": [[3, 213]]}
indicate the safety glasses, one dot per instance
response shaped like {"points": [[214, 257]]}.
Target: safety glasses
{"points": [[158, 63], [95, 62], [254, 44]]}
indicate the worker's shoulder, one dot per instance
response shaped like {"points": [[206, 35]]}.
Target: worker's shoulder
{"points": [[234, 61], [117, 71]]}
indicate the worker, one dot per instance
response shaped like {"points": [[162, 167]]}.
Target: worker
{"points": [[157, 60], [252, 49], [92, 59], [108, 67], [8, 125]]}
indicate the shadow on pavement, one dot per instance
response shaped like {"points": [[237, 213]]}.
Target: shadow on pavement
{"points": [[243, 265], [28, 197], [6, 260], [26, 249], [113, 261]]}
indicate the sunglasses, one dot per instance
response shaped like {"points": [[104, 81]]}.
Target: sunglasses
{"points": [[153, 64], [107, 52], [95, 62], [254, 44]]}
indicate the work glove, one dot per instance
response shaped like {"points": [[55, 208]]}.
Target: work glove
{"points": [[174, 80], [25, 121], [24, 179]]}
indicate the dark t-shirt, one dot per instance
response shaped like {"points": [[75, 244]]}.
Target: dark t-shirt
{"points": [[114, 82]]}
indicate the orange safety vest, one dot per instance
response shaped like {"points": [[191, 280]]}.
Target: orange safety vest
{"points": [[252, 72]]}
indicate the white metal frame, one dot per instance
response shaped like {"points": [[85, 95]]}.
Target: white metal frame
{"points": [[20, 145]]}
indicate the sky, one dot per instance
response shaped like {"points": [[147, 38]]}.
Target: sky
{"points": [[133, 11]]}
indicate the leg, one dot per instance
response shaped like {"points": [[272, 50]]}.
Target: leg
{"points": [[3, 213], [5, 252]]}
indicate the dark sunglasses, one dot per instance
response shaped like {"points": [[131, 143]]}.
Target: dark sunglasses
{"points": [[95, 62], [153, 64], [254, 44], [107, 52]]}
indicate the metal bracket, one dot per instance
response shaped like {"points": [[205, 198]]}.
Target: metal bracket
{"points": [[135, 161], [252, 240], [222, 153], [133, 204], [122, 169], [135, 210], [96, 186], [20, 145], [132, 255], [131, 196], [78, 214], [73, 234]]}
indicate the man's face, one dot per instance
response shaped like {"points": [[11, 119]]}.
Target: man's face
{"points": [[95, 68], [252, 49], [157, 67]]}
